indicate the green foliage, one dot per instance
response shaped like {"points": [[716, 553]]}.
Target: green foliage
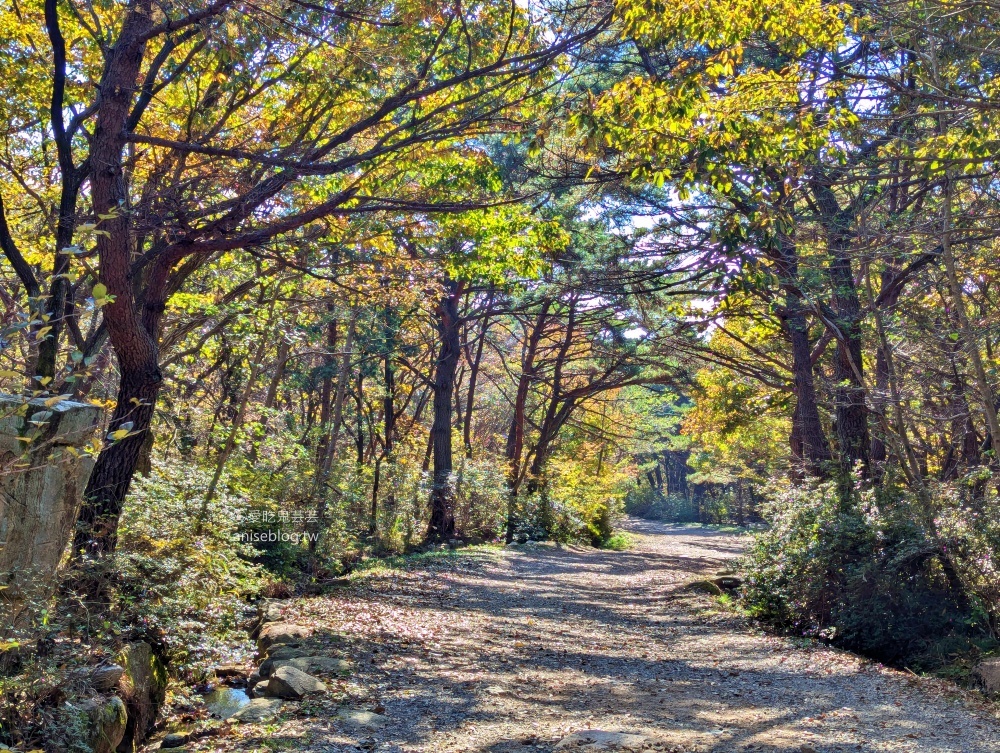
{"points": [[861, 573], [182, 570], [644, 501], [481, 498], [617, 542]]}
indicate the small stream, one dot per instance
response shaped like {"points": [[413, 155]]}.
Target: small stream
{"points": [[223, 702]]}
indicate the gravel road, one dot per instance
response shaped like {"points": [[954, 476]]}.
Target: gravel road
{"points": [[513, 652]]}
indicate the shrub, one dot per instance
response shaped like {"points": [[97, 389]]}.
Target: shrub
{"points": [[617, 542], [181, 570], [858, 571], [646, 502]]}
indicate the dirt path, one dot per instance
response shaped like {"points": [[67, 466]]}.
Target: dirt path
{"points": [[512, 652]]}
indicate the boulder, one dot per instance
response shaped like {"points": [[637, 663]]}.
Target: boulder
{"points": [[343, 582], [102, 678], [229, 671], [174, 740], [284, 633], [104, 721], [267, 612], [259, 710], [308, 664], [282, 651], [258, 690], [267, 667], [987, 674], [600, 741], [40, 494], [328, 665], [106, 677], [288, 682], [143, 687], [705, 587]]}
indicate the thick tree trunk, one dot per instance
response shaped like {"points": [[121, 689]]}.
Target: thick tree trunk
{"points": [[808, 426], [849, 394], [58, 304], [851, 412], [442, 522], [131, 334], [807, 429], [97, 525]]}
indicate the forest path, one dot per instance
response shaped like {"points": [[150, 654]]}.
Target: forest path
{"points": [[487, 653]]}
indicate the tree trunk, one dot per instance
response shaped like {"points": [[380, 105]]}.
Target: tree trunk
{"points": [[515, 434], [849, 393], [327, 389], [969, 339], [879, 451], [97, 525], [807, 428], [389, 419], [442, 522], [852, 415], [237, 421], [373, 512], [886, 371], [359, 414], [323, 476], [473, 378], [559, 408], [131, 334]]}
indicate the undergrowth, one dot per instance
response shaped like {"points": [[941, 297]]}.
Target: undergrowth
{"points": [[859, 572]]}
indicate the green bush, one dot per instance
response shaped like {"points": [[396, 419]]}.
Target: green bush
{"points": [[646, 502], [181, 570], [862, 574]]}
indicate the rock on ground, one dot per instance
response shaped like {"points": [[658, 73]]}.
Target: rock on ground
{"points": [[259, 710], [102, 678], [281, 651], [306, 664], [292, 683], [143, 687], [284, 633], [174, 740], [104, 720], [988, 675]]}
